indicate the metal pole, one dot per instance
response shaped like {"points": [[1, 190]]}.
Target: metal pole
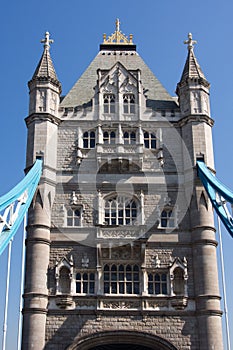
{"points": [[22, 284], [7, 295], [224, 285]]}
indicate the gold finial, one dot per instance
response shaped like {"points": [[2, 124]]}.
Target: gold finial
{"points": [[190, 42], [118, 37]]}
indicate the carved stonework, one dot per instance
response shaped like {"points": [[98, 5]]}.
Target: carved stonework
{"points": [[64, 301], [85, 304], [179, 302], [120, 305], [157, 304]]}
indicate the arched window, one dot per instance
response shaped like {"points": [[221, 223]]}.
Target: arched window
{"points": [[64, 280], [149, 140], [129, 137], [129, 104], [89, 139], [109, 103], [85, 283], [120, 210], [121, 279], [109, 137], [167, 218], [74, 217], [157, 283]]}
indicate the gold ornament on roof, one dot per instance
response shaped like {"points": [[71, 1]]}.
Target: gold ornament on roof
{"points": [[118, 37]]}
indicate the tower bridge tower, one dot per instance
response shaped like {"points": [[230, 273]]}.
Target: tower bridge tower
{"points": [[121, 248]]}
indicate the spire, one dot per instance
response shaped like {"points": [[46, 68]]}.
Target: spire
{"points": [[192, 70], [45, 69]]}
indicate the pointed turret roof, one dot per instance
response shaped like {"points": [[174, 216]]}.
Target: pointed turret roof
{"points": [[192, 69], [45, 69]]}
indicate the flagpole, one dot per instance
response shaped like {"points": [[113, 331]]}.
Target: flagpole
{"points": [[7, 296], [224, 285], [22, 284]]}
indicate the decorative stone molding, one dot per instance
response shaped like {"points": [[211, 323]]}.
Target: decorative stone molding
{"points": [[64, 301], [179, 302]]}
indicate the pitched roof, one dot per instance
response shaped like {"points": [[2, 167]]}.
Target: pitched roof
{"points": [[192, 69], [45, 68], [82, 92]]}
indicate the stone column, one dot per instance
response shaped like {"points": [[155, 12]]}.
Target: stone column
{"points": [[206, 273]]}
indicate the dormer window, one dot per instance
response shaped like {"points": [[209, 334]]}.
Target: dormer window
{"points": [[109, 103], [89, 139], [129, 104], [149, 140]]}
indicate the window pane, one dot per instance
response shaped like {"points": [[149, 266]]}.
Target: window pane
{"points": [[69, 222], [92, 143], [92, 288], [128, 288], [78, 287], [146, 143], [125, 108], [150, 288], [153, 144], [85, 287], [150, 277], [157, 288], [106, 287], [132, 108], [121, 288], [76, 222], [106, 276], [112, 108], [78, 276], [164, 288], [121, 268], [113, 268], [114, 287], [129, 277], [136, 288], [105, 108]]}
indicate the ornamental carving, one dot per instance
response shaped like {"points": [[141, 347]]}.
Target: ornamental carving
{"points": [[85, 304], [157, 304], [121, 305]]}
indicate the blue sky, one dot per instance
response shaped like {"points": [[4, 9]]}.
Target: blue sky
{"points": [[159, 29]]}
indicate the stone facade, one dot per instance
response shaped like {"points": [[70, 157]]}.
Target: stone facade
{"points": [[121, 243]]}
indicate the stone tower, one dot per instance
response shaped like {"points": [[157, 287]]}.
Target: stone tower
{"points": [[121, 249]]}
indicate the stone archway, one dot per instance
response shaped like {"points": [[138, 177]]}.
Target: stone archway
{"points": [[121, 340]]}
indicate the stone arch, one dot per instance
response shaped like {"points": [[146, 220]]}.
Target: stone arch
{"points": [[124, 339]]}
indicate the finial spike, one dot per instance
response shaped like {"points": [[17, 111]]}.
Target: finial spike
{"points": [[47, 41], [117, 25], [190, 42]]}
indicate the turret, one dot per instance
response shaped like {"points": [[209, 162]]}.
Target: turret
{"points": [[193, 88], [196, 129], [42, 124], [44, 85]]}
